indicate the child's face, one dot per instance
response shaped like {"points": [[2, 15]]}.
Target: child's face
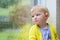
{"points": [[38, 17]]}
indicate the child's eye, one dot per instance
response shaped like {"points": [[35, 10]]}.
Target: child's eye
{"points": [[37, 14], [32, 16]]}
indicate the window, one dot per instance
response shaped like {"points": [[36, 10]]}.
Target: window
{"points": [[39, 2]]}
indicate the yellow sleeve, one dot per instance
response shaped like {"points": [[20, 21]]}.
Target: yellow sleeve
{"points": [[56, 34], [32, 35]]}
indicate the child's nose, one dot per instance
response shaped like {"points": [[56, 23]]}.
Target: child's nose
{"points": [[35, 17]]}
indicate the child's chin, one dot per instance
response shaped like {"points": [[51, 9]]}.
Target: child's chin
{"points": [[37, 23]]}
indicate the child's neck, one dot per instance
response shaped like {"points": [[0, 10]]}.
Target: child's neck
{"points": [[43, 25]]}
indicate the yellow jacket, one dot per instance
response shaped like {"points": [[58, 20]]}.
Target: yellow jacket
{"points": [[35, 33], [23, 33]]}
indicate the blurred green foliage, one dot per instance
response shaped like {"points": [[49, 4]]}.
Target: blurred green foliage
{"points": [[6, 35], [6, 3], [5, 25], [18, 12]]}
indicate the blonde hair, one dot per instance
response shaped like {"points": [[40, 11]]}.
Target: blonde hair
{"points": [[40, 8]]}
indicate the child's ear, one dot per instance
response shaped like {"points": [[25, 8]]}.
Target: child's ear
{"points": [[46, 14]]}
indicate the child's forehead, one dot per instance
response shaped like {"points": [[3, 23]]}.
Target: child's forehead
{"points": [[35, 9], [36, 12]]}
